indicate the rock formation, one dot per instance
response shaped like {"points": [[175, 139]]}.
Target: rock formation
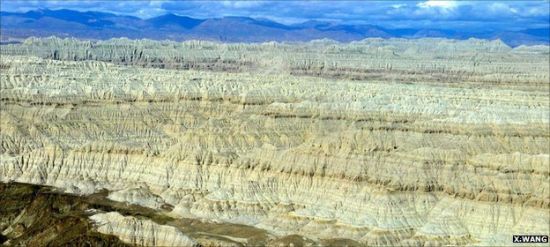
{"points": [[140, 232], [379, 142]]}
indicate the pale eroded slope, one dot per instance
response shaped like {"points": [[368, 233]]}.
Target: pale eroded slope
{"points": [[377, 162]]}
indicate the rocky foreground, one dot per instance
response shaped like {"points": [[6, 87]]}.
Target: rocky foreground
{"points": [[378, 142]]}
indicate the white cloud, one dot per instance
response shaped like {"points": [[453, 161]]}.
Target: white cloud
{"points": [[397, 6], [157, 3], [443, 9], [438, 4], [502, 8], [242, 4]]}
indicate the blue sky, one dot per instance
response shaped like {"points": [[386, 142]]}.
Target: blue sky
{"points": [[482, 15]]}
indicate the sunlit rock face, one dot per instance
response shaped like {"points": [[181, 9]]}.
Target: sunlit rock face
{"points": [[380, 142], [139, 231]]}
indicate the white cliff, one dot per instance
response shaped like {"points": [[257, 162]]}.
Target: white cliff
{"points": [[140, 232]]}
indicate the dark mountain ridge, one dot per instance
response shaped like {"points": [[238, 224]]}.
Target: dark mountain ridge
{"points": [[100, 25]]}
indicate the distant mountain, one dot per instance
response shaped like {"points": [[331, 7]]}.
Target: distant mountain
{"points": [[92, 19], [171, 20], [99, 25]]}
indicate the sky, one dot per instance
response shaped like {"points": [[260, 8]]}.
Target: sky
{"points": [[484, 15]]}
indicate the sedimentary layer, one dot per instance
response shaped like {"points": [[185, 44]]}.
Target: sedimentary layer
{"points": [[458, 63], [376, 162]]}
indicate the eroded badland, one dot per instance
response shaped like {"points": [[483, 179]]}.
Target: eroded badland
{"points": [[379, 142]]}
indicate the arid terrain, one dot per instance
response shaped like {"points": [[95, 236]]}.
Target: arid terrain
{"points": [[380, 142]]}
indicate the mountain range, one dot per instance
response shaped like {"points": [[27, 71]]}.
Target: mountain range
{"points": [[100, 25]]}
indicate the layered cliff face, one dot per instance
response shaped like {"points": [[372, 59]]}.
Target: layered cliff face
{"points": [[408, 154]]}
